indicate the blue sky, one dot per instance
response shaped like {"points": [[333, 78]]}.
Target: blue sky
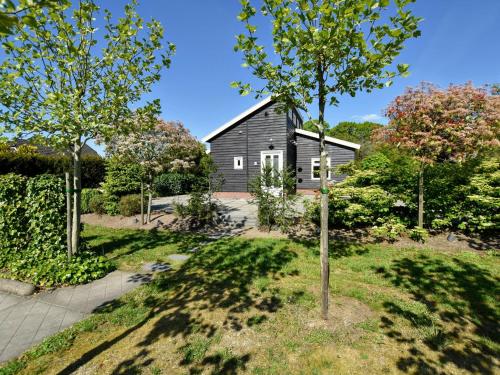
{"points": [[460, 42]]}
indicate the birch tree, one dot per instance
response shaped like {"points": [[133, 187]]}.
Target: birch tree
{"points": [[58, 81], [321, 50]]}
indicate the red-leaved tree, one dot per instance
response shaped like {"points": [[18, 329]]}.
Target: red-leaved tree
{"points": [[439, 125]]}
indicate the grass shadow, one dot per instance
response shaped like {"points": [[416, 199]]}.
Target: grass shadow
{"points": [[340, 245], [217, 277], [460, 304], [119, 244]]}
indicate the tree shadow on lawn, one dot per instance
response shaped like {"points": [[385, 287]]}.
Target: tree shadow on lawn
{"points": [[219, 276], [142, 240], [462, 308], [340, 244]]}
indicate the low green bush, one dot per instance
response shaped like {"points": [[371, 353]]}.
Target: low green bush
{"points": [[419, 234], [275, 206], [130, 205], [87, 196], [354, 207], [200, 209], [121, 179], [55, 268], [390, 230], [33, 233], [97, 204], [168, 184]]}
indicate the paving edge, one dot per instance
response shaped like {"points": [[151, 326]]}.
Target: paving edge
{"points": [[16, 287]]}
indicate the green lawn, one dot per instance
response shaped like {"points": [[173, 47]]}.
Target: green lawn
{"points": [[130, 248], [251, 306]]}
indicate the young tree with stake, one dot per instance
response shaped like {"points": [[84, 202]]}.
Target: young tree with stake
{"points": [[58, 81], [323, 49], [436, 125]]}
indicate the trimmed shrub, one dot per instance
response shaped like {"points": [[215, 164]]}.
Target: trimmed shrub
{"points": [[13, 220], [93, 171], [121, 179], [33, 164], [168, 184], [87, 195], [46, 214], [130, 205], [97, 204], [33, 231]]}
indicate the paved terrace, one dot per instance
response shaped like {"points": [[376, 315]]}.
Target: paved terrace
{"points": [[236, 208]]}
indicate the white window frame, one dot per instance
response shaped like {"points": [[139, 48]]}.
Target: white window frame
{"points": [[276, 191], [329, 165], [273, 152], [236, 160]]}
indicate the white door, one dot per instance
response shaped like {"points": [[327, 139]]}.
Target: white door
{"points": [[274, 160]]}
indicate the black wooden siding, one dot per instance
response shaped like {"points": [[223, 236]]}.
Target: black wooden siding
{"points": [[248, 138], [308, 148], [257, 133]]}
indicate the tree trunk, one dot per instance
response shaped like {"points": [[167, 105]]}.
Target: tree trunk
{"points": [[150, 202], [68, 215], [421, 196], [77, 186], [325, 266], [142, 203]]}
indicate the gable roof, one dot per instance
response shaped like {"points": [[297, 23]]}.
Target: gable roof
{"points": [[233, 121], [49, 151], [328, 139]]}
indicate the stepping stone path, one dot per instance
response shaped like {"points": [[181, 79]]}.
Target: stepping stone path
{"points": [[26, 321], [156, 267], [178, 257]]}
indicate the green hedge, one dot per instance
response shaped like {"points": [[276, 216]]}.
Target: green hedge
{"points": [[168, 184], [13, 219], [88, 196], [33, 232], [121, 179], [30, 165], [130, 205]]}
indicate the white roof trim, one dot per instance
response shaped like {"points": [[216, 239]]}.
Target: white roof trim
{"points": [[236, 119], [329, 139]]}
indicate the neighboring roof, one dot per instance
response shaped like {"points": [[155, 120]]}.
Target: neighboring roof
{"points": [[329, 139], [49, 151], [240, 117]]}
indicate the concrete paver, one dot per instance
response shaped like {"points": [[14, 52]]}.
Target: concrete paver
{"points": [[26, 321], [240, 212]]}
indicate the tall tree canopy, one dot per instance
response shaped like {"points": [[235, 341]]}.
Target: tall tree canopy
{"points": [[58, 81], [15, 13], [437, 125], [322, 49]]}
